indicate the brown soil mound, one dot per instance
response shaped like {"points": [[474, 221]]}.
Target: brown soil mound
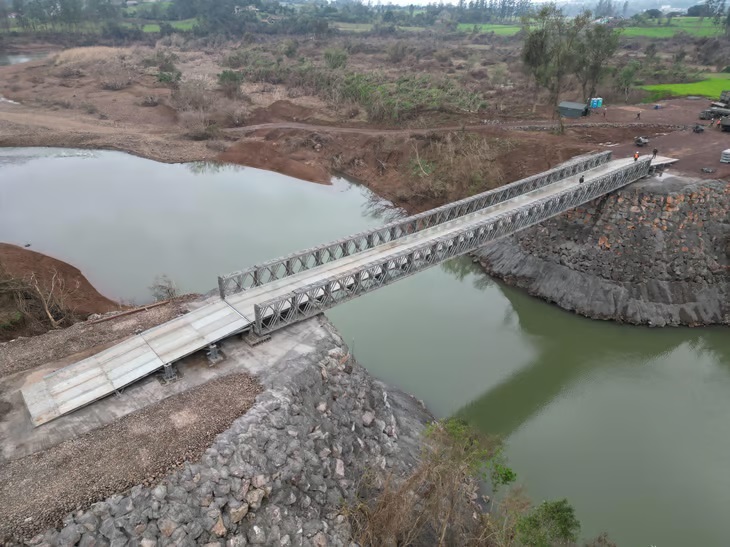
{"points": [[280, 111], [266, 155], [82, 297]]}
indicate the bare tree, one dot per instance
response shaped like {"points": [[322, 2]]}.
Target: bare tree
{"points": [[163, 288]]}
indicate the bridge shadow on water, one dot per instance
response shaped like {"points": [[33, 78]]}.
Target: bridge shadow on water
{"points": [[569, 349]]}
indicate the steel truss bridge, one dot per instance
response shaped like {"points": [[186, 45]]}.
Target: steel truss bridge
{"points": [[272, 295]]}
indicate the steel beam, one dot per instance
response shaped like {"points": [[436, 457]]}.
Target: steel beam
{"points": [[311, 258], [322, 295]]}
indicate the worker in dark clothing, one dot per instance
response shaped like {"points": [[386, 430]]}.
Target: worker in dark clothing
{"points": [[654, 153], [582, 180], [638, 115]]}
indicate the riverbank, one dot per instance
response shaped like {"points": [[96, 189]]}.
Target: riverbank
{"points": [[654, 253], [281, 473]]}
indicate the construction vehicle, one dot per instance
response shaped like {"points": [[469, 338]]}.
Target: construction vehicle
{"points": [[714, 113], [725, 123]]}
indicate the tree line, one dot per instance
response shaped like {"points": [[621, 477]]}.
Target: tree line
{"points": [[557, 49]]}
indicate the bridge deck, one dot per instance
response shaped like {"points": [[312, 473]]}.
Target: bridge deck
{"points": [[110, 370]]}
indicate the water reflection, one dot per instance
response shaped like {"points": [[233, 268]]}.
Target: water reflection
{"points": [[211, 167], [569, 348]]}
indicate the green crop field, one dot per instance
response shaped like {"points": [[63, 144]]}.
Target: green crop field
{"points": [[711, 88], [353, 27], [690, 25], [185, 24], [501, 30]]}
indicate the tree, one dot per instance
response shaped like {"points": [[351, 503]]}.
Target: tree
{"points": [[698, 10], [595, 48], [549, 52], [654, 14], [625, 10], [626, 77]]}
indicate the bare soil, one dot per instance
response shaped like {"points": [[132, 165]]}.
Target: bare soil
{"points": [[84, 298], [38, 490], [79, 297]]}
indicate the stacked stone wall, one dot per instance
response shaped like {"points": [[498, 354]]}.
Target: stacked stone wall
{"points": [[656, 252]]}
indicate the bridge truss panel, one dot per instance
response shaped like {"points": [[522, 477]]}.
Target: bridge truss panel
{"points": [[316, 256], [322, 295]]}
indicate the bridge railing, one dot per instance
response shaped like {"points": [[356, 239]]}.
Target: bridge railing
{"points": [[322, 295], [292, 264]]}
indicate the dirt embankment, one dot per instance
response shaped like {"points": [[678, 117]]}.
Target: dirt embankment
{"points": [[82, 296], [28, 278]]}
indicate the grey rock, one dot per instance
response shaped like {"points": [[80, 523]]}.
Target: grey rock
{"points": [[255, 497], [256, 535], [167, 526], [238, 513], [160, 492], [69, 536]]}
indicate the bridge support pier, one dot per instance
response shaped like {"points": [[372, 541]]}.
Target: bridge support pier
{"points": [[169, 373], [213, 354]]}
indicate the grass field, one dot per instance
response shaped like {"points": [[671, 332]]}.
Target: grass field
{"points": [[690, 25], [711, 88], [185, 24], [500, 30], [353, 27]]}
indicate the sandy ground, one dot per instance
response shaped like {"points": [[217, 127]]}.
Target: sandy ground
{"points": [[38, 490]]}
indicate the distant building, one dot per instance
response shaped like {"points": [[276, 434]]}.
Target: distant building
{"points": [[569, 109]]}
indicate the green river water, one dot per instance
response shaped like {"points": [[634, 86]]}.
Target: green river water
{"points": [[630, 424]]}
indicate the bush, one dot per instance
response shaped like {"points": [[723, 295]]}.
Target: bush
{"points": [[198, 125], [163, 60], [397, 52], [289, 48], [170, 79], [550, 523], [115, 75], [335, 58], [230, 83], [432, 506], [193, 95]]}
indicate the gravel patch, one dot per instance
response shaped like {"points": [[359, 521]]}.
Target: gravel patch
{"points": [[37, 491]]}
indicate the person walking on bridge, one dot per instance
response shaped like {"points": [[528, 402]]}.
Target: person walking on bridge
{"points": [[581, 180], [654, 153], [636, 156]]}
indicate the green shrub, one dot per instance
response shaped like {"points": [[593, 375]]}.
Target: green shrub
{"points": [[549, 523], [230, 82], [170, 79], [289, 48], [335, 58]]}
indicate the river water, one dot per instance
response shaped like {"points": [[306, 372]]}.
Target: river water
{"points": [[17, 58], [630, 424]]}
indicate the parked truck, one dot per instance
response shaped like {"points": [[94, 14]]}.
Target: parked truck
{"points": [[714, 113], [725, 123]]}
